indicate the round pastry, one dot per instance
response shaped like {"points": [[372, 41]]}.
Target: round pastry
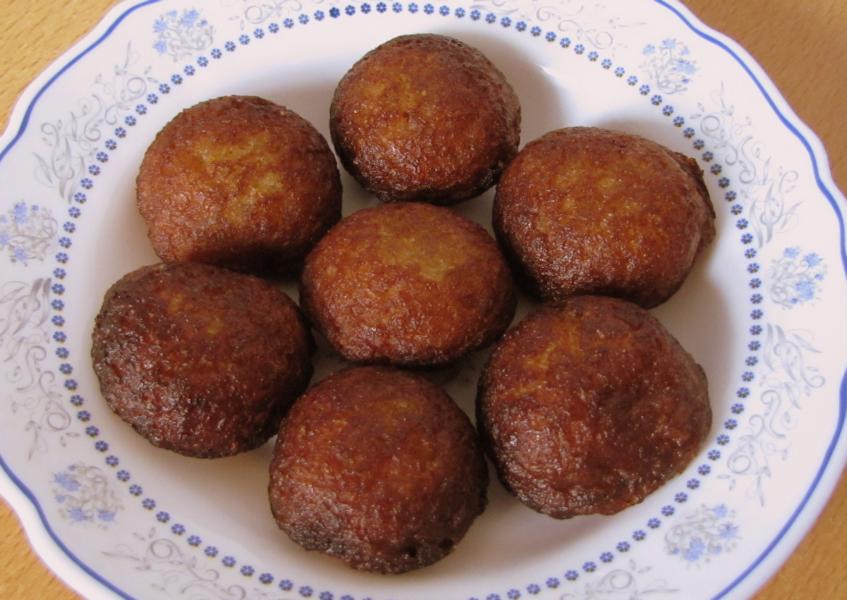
{"points": [[425, 117], [198, 359], [407, 284], [591, 211], [238, 182], [589, 407], [379, 468]]}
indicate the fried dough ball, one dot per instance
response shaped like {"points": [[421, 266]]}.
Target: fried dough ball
{"points": [[198, 359], [379, 468], [591, 406], [238, 182], [407, 284], [591, 211], [425, 118]]}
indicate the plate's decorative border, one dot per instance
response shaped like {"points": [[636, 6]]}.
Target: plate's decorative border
{"points": [[675, 77]]}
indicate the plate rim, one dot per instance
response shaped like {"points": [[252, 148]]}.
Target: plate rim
{"points": [[75, 573]]}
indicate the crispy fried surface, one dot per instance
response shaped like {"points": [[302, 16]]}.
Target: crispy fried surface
{"points": [[591, 211], [589, 407], [198, 359], [378, 468], [239, 182], [409, 284], [425, 117]]}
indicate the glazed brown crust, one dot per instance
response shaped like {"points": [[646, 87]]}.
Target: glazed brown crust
{"points": [[407, 284], [589, 407], [238, 182], [591, 211], [200, 360], [425, 117], [379, 468]]}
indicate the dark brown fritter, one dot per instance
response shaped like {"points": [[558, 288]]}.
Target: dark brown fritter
{"points": [[200, 360], [238, 182], [592, 211], [379, 468], [425, 118], [589, 407], [407, 284]]}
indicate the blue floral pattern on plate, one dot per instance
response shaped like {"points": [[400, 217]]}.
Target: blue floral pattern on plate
{"points": [[78, 148]]}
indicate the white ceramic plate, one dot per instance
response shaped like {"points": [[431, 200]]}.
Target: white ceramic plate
{"points": [[763, 310]]}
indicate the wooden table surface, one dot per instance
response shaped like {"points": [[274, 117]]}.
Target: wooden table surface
{"points": [[802, 47]]}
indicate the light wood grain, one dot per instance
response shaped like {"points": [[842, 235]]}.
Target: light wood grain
{"points": [[800, 44]]}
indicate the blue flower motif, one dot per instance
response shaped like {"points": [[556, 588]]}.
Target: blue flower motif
{"points": [[649, 49], [210, 551], [162, 517], [285, 585], [685, 66], [66, 481], [106, 516], [189, 18], [160, 46], [669, 44], [228, 561], [714, 454], [159, 25], [728, 531], [623, 547], [812, 259], [266, 578], [533, 588], [77, 515], [695, 550], [552, 582], [805, 289], [20, 213], [4, 238], [638, 535], [247, 571]]}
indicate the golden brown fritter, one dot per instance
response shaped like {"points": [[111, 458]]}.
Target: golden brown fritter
{"points": [[589, 407], [198, 359], [379, 468], [407, 284], [238, 182], [425, 118], [592, 211]]}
